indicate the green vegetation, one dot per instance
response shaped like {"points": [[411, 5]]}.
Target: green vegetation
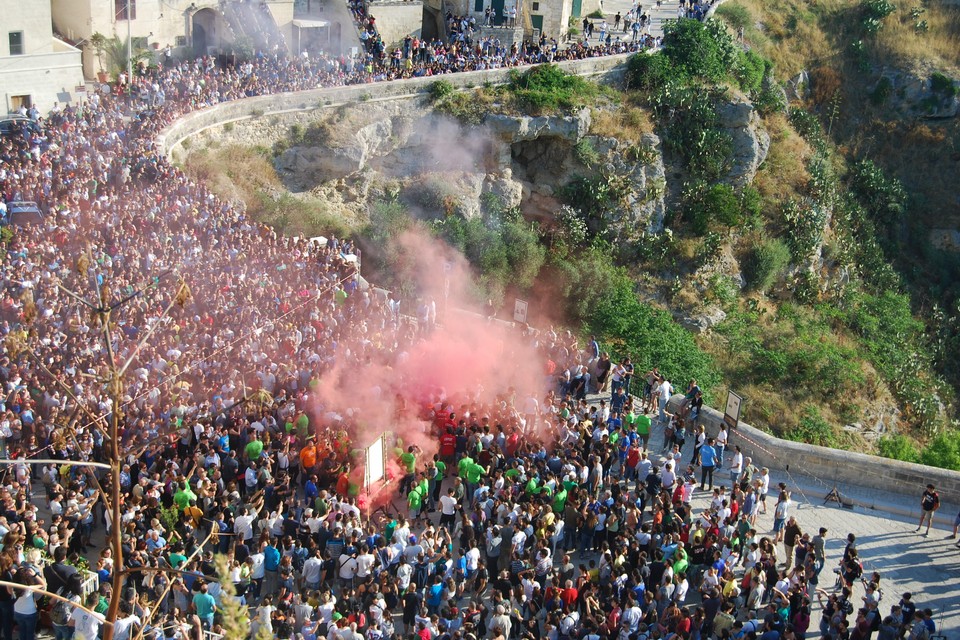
{"points": [[711, 206], [649, 336], [764, 263], [874, 13], [814, 429], [540, 90], [546, 88]]}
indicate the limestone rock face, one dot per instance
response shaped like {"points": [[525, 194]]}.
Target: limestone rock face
{"points": [[524, 128], [750, 140], [913, 94], [705, 320]]}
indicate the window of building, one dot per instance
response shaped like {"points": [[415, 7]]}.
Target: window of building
{"points": [[16, 43], [181, 41], [16, 102], [122, 7], [536, 6]]}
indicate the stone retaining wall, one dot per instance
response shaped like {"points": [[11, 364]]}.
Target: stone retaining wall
{"points": [[834, 466], [607, 67]]}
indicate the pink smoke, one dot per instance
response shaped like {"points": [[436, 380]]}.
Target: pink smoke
{"points": [[464, 360]]}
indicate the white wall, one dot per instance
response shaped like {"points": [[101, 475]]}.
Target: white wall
{"points": [[47, 66], [33, 18], [41, 76]]}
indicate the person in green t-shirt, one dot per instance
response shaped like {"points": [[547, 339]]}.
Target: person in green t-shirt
{"points": [[531, 487], [560, 500], [643, 429], [205, 605], [462, 466], [436, 479], [408, 460], [474, 472], [254, 448], [415, 501], [176, 557]]}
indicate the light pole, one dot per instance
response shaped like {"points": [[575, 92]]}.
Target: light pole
{"points": [[129, 48]]}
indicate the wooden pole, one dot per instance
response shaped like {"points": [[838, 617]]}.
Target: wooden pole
{"points": [[44, 592]]}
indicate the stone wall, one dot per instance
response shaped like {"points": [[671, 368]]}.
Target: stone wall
{"points": [[397, 20], [899, 479], [608, 67]]}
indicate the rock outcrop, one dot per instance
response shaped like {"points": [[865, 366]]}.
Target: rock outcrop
{"points": [[750, 140], [921, 92]]}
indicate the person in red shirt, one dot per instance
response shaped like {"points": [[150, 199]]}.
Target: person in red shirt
{"points": [[343, 481], [683, 624], [569, 596], [448, 444]]}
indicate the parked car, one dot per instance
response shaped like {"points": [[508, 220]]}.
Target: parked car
{"points": [[21, 213], [13, 125]]}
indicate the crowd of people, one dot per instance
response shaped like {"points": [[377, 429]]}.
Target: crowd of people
{"points": [[539, 516]]}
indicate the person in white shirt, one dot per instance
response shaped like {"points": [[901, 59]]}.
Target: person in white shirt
{"points": [[473, 560], [404, 575], [721, 443], [243, 525], [347, 569], [257, 569], [365, 562], [663, 394], [736, 465], [123, 626], [669, 477], [311, 571], [313, 522], [86, 625], [448, 509]]}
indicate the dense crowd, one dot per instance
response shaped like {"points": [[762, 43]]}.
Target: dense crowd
{"points": [[539, 516]]}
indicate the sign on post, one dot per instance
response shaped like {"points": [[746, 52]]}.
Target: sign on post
{"points": [[731, 413], [520, 311]]}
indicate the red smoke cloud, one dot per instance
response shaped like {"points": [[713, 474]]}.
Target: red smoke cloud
{"points": [[463, 360]]}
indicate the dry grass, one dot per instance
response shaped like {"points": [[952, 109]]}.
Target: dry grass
{"points": [[233, 172], [804, 34], [625, 122], [924, 155], [247, 174], [938, 46], [789, 32], [784, 173]]}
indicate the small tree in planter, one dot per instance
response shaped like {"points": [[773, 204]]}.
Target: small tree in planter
{"points": [[99, 43]]}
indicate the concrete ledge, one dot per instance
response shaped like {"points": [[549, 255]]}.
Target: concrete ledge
{"points": [[607, 67], [881, 477]]}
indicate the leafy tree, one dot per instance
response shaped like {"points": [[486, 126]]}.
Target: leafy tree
{"points": [[650, 337], [884, 198], [547, 88], [650, 71], [700, 49], [898, 447], [943, 451]]}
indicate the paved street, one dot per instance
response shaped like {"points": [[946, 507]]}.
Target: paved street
{"points": [[666, 11], [926, 567]]}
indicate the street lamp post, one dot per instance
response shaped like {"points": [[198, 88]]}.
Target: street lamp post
{"points": [[129, 48]]}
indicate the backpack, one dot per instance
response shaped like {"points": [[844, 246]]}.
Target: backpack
{"points": [[60, 613]]}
